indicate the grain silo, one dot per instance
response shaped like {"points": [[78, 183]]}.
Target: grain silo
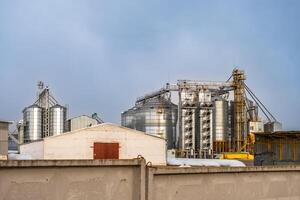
{"points": [[45, 117], [58, 116], [32, 119], [155, 116]]}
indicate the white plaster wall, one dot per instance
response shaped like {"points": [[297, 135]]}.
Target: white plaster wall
{"points": [[35, 150], [79, 144]]}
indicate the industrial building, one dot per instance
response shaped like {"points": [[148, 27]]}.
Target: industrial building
{"points": [[4, 126], [209, 117], [277, 148], [83, 121], [103, 141], [44, 118]]}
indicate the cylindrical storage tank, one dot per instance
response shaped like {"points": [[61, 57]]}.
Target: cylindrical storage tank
{"points": [[58, 116], [128, 118], [156, 116], [159, 118], [220, 120], [32, 118]]}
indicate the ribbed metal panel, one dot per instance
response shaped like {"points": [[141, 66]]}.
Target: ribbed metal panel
{"points": [[277, 148], [189, 120], [156, 117], [220, 120], [32, 116], [205, 128], [57, 119]]}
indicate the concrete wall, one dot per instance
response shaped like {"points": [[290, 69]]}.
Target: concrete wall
{"points": [[79, 144], [251, 183], [73, 180], [131, 179]]}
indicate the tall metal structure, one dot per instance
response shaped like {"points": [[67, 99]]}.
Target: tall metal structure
{"points": [[199, 135], [195, 114], [45, 117], [239, 109], [45, 101], [188, 117], [206, 123]]}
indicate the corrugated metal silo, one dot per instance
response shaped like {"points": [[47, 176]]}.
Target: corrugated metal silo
{"points": [[58, 115], [32, 117], [220, 120], [156, 116]]}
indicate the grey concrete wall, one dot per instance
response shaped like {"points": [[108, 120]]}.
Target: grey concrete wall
{"points": [[224, 183], [131, 179], [61, 180]]}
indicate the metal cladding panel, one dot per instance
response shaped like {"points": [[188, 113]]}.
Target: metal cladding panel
{"points": [[79, 123], [106, 150], [189, 128], [32, 117], [155, 117], [231, 121], [271, 150], [57, 120], [220, 120], [206, 131], [128, 119]]}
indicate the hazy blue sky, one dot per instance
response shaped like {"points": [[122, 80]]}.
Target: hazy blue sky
{"points": [[98, 56]]}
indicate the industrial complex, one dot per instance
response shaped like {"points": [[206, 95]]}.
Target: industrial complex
{"points": [[204, 119], [180, 142], [150, 100], [179, 124]]}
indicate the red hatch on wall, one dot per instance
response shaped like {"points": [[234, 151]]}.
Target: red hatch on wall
{"points": [[106, 150]]}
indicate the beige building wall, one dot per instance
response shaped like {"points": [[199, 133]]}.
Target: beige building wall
{"points": [[3, 139], [34, 150], [79, 144]]}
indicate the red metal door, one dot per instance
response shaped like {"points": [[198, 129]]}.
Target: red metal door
{"points": [[106, 150]]}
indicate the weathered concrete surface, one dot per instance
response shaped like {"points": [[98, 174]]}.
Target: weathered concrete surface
{"points": [[131, 179], [224, 183], [60, 180]]}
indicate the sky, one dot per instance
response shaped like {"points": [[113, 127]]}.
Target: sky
{"points": [[99, 56]]}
